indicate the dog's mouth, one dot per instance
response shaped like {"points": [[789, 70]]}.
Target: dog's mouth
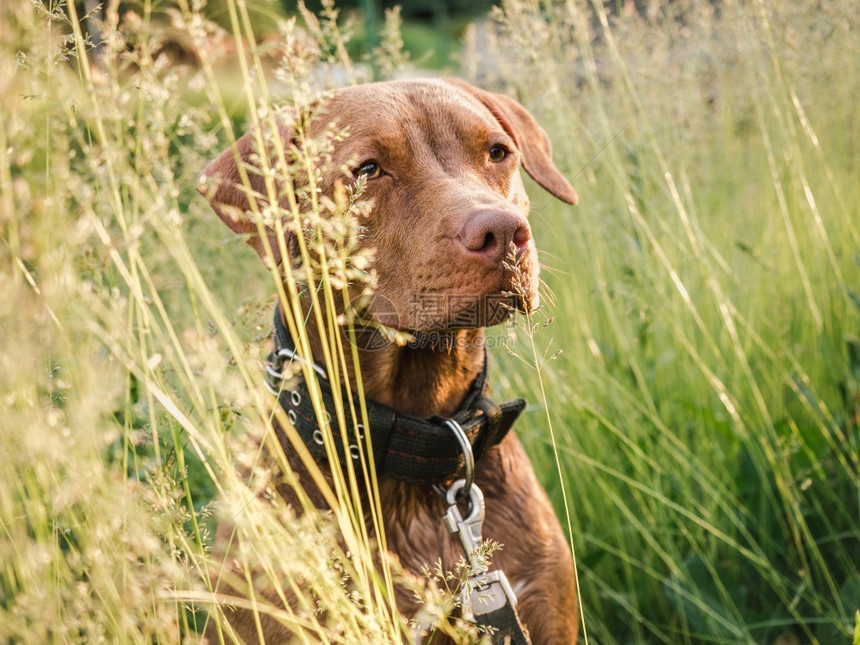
{"points": [[433, 321], [473, 300], [438, 312]]}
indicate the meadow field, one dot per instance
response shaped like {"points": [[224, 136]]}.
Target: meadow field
{"points": [[693, 376]]}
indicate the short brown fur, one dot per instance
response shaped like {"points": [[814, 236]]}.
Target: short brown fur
{"points": [[440, 211]]}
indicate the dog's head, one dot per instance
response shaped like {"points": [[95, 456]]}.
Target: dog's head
{"points": [[440, 160]]}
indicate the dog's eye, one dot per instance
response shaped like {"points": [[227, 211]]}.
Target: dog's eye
{"points": [[497, 153], [369, 169]]}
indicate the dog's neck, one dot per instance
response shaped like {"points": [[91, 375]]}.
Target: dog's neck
{"points": [[425, 380], [421, 379]]}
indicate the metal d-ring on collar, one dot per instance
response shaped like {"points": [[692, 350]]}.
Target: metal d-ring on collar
{"points": [[468, 459]]}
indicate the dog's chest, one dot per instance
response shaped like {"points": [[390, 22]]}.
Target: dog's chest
{"points": [[416, 534]]}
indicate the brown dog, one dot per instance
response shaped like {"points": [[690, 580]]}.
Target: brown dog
{"points": [[441, 162]]}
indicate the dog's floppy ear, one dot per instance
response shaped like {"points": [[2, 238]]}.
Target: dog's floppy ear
{"points": [[531, 140], [239, 202]]}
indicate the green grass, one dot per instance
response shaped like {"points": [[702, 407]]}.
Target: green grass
{"points": [[705, 404], [698, 432]]}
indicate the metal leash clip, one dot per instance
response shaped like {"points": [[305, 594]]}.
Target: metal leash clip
{"points": [[487, 597], [468, 529]]}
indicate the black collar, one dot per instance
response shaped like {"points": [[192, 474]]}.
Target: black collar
{"points": [[405, 448]]}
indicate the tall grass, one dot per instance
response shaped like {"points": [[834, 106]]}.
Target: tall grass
{"points": [[705, 298], [703, 407]]}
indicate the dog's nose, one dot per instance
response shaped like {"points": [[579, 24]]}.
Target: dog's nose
{"points": [[492, 233]]}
